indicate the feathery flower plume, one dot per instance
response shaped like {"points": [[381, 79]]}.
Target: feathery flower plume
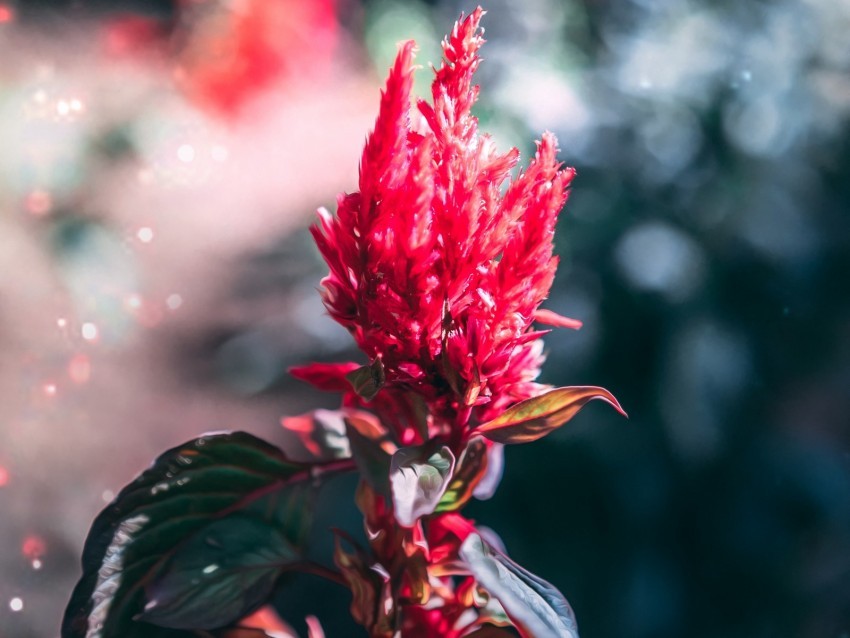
{"points": [[440, 262]]}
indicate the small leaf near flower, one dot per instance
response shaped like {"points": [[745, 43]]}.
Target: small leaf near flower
{"points": [[371, 449], [471, 469], [368, 380], [534, 606], [418, 480], [486, 487], [367, 584], [534, 418]]}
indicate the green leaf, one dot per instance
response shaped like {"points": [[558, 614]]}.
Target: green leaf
{"points": [[534, 418], [418, 480], [184, 491], [471, 468], [534, 606], [364, 582], [220, 573], [368, 380], [371, 450]]}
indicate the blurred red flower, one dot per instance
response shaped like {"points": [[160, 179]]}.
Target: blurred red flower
{"points": [[227, 53]]}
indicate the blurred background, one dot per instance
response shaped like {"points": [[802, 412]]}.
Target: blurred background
{"points": [[160, 162]]}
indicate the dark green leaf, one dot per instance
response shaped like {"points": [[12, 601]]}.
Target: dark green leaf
{"points": [[367, 381], [364, 582], [534, 418], [418, 479], [535, 607], [370, 450], [226, 569], [185, 489]]}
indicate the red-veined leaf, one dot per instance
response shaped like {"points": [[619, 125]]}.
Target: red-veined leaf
{"points": [[534, 418]]}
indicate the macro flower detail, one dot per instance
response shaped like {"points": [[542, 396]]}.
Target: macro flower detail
{"points": [[440, 262]]}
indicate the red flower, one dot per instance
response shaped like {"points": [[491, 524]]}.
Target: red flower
{"points": [[435, 268], [234, 51]]}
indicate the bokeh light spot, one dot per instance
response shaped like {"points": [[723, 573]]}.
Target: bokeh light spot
{"points": [[657, 257], [33, 547], [89, 331], [186, 153], [38, 203], [133, 302], [145, 234], [174, 301]]}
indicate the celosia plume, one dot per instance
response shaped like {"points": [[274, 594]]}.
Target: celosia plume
{"points": [[437, 267]]}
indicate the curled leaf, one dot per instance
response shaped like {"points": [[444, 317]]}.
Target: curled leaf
{"points": [[368, 380], [418, 481], [471, 469], [534, 418], [486, 487], [371, 450], [534, 606], [363, 582]]}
